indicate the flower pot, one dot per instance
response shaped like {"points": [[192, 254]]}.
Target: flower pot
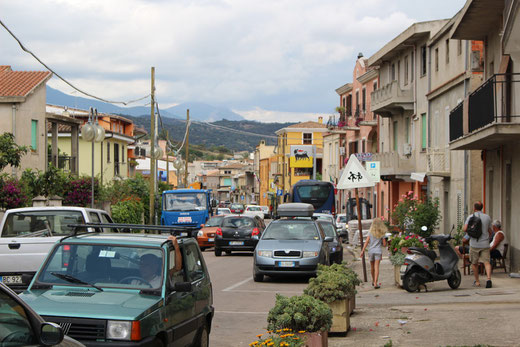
{"points": [[351, 304], [316, 339], [340, 316], [397, 276]]}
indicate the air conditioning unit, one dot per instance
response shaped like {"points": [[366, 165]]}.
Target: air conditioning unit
{"points": [[407, 149]]}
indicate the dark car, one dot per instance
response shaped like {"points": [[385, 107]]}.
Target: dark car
{"points": [[237, 208], [336, 246], [238, 233], [21, 326]]}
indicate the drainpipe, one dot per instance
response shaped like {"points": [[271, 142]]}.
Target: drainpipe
{"points": [[14, 130], [466, 92], [428, 134]]}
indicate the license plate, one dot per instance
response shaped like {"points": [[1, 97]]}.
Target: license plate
{"points": [[11, 279], [403, 268], [286, 264], [184, 220], [236, 243], [211, 240]]}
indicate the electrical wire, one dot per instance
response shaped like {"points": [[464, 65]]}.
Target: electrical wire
{"points": [[63, 79]]}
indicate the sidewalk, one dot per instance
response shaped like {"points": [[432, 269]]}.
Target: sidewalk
{"points": [[442, 316]]}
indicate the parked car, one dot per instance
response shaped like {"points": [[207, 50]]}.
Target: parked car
{"points": [[237, 208], [335, 246], [292, 245], [325, 216], [27, 234], [206, 235], [223, 211], [22, 326], [267, 212], [254, 210], [123, 290], [342, 226], [238, 233]]}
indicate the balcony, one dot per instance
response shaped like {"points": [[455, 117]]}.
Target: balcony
{"points": [[438, 162], [65, 163], [393, 164], [486, 118], [391, 99]]}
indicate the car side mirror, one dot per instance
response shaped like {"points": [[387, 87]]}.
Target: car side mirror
{"points": [[50, 334], [328, 239], [182, 286]]}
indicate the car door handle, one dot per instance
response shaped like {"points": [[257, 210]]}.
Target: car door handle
{"points": [[14, 246]]}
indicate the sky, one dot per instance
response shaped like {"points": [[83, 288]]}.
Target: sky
{"points": [[268, 60]]}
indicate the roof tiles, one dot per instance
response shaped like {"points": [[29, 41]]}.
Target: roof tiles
{"points": [[20, 83]]}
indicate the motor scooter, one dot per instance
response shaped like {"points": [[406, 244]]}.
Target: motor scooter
{"points": [[420, 267]]}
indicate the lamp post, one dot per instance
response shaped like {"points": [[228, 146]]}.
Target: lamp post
{"points": [[178, 165], [92, 132]]}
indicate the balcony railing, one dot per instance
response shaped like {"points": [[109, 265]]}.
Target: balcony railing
{"points": [[391, 96], [65, 163], [490, 103], [438, 160], [392, 163]]}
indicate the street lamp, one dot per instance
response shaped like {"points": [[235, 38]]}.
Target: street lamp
{"points": [[92, 132], [178, 164]]}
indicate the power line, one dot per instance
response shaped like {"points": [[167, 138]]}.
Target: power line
{"points": [[63, 79]]}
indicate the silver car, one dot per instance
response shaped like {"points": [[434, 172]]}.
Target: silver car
{"points": [[291, 247]]}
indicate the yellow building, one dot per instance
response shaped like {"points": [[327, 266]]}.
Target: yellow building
{"points": [[300, 148]]}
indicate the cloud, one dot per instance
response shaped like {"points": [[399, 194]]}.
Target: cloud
{"points": [[275, 54], [260, 115]]}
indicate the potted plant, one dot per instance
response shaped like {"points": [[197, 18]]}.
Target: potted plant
{"points": [[308, 317], [398, 246]]}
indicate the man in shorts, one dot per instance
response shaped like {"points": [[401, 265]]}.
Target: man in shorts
{"points": [[479, 248]]}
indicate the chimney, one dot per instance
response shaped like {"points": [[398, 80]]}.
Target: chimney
{"points": [[320, 119], [360, 55]]}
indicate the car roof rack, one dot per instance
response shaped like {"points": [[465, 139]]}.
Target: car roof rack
{"points": [[171, 229]]}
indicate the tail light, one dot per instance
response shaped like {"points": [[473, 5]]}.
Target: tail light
{"points": [[219, 232], [333, 210], [255, 232]]}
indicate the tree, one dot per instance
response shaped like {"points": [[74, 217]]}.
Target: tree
{"points": [[10, 152]]}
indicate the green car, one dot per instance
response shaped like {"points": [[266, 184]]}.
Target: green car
{"points": [[124, 290]]}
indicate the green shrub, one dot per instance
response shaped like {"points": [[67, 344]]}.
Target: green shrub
{"points": [[397, 258], [410, 214], [128, 211], [335, 282], [299, 313]]}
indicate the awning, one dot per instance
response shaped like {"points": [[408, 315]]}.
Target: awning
{"points": [[418, 176]]}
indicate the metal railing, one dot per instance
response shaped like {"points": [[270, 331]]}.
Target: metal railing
{"points": [[65, 163], [456, 122], [438, 160]]}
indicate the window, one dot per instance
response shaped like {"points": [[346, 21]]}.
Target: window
{"points": [[364, 97], [192, 263], [423, 61], [227, 172], [424, 128], [406, 70], [412, 66], [34, 135], [375, 85], [122, 153], [344, 102], [307, 138], [357, 101], [447, 51], [407, 129], [459, 47], [108, 152], [398, 70], [395, 135], [393, 72], [437, 59]]}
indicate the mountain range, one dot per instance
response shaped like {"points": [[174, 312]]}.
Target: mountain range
{"points": [[198, 111]]}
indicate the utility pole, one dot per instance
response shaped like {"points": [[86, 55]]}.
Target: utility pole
{"points": [[152, 151], [167, 161], [187, 147]]}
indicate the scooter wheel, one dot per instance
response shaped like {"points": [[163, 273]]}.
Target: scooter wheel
{"points": [[455, 279], [409, 282]]}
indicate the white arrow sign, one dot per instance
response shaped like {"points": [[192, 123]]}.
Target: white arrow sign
{"points": [[354, 175]]}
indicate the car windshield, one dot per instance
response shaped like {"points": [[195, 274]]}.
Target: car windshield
{"points": [[15, 328], [185, 201], [104, 265], [237, 222], [254, 208], [342, 219], [329, 229], [41, 223], [293, 230], [214, 222]]}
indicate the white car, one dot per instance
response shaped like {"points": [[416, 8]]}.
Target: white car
{"points": [[341, 225], [267, 212], [223, 211], [325, 216], [254, 210]]}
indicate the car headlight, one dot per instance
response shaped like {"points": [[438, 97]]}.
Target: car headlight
{"points": [[200, 233], [267, 254], [119, 330], [310, 254]]}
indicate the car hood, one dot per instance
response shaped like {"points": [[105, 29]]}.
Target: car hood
{"points": [[206, 230], [118, 305], [304, 245]]}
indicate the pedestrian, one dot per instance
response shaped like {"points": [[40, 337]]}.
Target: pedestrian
{"points": [[374, 241], [496, 248], [479, 248]]}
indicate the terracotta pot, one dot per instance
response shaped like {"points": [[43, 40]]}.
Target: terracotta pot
{"points": [[397, 276], [317, 339], [340, 316]]}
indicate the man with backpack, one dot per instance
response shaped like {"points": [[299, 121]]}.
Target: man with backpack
{"points": [[478, 228]]}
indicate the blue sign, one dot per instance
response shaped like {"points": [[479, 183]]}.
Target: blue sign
{"points": [[279, 192]]}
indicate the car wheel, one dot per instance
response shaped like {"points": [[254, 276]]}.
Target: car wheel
{"points": [[228, 252], [218, 252], [202, 249], [203, 337], [258, 277]]}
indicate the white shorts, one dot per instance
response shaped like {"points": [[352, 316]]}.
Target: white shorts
{"points": [[374, 256]]}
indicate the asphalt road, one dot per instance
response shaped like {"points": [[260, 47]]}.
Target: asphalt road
{"points": [[241, 305]]}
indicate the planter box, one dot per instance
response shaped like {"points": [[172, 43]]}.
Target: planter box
{"points": [[317, 339], [397, 276], [351, 304], [340, 316]]}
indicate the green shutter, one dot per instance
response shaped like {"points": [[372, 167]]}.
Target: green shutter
{"points": [[34, 134], [424, 131], [395, 136]]}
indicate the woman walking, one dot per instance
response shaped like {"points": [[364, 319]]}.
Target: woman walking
{"points": [[375, 240]]}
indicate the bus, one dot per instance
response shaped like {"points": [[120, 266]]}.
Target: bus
{"points": [[318, 193]]}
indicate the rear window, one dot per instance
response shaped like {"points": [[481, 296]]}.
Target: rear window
{"points": [[41, 223], [214, 222], [254, 208], [237, 222], [315, 194], [295, 230], [342, 219], [237, 207]]}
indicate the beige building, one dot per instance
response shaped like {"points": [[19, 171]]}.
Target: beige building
{"points": [[488, 119], [261, 171]]}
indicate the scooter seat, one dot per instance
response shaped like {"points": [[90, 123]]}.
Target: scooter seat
{"points": [[430, 254]]}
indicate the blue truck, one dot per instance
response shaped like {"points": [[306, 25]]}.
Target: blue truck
{"points": [[186, 207]]}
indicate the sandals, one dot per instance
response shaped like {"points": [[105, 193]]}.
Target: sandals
{"points": [[475, 284], [377, 286]]}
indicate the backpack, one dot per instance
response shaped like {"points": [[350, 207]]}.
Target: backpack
{"points": [[474, 229]]}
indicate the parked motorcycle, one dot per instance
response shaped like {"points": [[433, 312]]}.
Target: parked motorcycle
{"points": [[420, 266]]}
